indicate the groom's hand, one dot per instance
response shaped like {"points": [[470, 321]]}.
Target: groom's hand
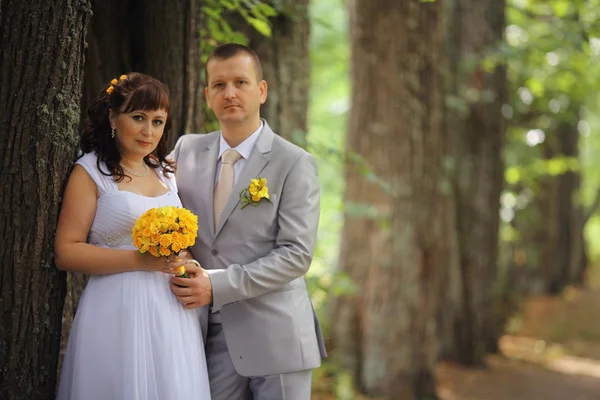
{"points": [[195, 291]]}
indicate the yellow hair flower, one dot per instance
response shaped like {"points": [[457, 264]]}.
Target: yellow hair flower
{"points": [[114, 82], [110, 89], [122, 77]]}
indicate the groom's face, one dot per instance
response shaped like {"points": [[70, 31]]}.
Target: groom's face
{"points": [[234, 92]]}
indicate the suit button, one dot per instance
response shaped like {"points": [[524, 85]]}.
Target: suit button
{"points": [[214, 252]]}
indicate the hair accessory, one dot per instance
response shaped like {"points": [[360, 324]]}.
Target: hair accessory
{"points": [[114, 83]]}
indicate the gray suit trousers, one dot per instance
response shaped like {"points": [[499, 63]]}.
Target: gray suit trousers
{"points": [[227, 384]]}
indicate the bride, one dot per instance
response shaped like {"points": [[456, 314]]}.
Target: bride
{"points": [[130, 338]]}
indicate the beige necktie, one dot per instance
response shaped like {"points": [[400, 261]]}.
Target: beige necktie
{"points": [[225, 182]]}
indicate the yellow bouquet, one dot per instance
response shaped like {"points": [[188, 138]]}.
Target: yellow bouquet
{"points": [[165, 231]]}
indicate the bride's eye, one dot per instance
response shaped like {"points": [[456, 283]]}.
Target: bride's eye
{"points": [[137, 117]]}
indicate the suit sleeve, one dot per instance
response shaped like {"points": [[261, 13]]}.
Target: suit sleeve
{"points": [[298, 220]]}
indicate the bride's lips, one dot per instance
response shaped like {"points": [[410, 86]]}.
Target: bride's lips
{"points": [[144, 144]]}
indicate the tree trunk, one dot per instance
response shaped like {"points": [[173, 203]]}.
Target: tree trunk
{"points": [[397, 236], [286, 66], [478, 127], [38, 136], [563, 257]]}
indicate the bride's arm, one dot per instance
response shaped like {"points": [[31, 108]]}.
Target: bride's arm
{"points": [[72, 253]]}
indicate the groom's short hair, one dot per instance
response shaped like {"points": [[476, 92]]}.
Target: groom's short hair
{"points": [[228, 50]]}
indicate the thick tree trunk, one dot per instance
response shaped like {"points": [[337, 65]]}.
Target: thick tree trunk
{"points": [[398, 233], [38, 136], [286, 66], [470, 327]]}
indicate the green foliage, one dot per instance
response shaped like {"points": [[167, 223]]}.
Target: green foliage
{"points": [[552, 52], [218, 30]]}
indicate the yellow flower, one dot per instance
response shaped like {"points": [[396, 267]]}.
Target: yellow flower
{"points": [[114, 82], [122, 77], [155, 238], [110, 89], [253, 189], [154, 251], [165, 240], [264, 192], [164, 231], [256, 191]]}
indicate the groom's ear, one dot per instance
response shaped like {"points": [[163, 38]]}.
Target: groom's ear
{"points": [[207, 98], [264, 89]]}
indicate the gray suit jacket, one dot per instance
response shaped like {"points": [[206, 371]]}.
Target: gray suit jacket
{"points": [[257, 256]]}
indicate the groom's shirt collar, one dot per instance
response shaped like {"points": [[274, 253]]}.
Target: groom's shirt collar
{"points": [[244, 148]]}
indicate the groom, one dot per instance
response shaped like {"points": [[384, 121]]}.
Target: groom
{"points": [[263, 338]]}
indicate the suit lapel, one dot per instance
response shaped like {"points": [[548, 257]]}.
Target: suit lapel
{"points": [[207, 165], [254, 165]]}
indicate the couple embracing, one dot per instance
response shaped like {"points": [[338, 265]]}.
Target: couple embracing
{"points": [[242, 325]]}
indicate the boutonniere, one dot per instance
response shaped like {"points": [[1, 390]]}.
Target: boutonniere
{"points": [[255, 192]]}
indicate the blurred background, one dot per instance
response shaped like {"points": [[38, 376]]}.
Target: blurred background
{"points": [[458, 147]]}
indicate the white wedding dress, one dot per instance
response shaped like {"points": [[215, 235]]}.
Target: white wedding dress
{"points": [[131, 339]]}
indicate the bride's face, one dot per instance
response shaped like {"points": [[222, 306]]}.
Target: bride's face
{"points": [[138, 132]]}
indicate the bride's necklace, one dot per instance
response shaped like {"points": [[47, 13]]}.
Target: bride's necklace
{"points": [[142, 175]]}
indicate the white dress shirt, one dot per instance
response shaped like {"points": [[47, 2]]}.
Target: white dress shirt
{"points": [[244, 148]]}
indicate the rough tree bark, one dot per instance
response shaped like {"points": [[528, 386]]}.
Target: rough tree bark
{"points": [[286, 66], [398, 233], [38, 136], [470, 328]]}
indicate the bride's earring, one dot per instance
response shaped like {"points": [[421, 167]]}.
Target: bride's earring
{"points": [[112, 133]]}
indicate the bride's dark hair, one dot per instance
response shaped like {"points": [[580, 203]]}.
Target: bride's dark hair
{"points": [[132, 92]]}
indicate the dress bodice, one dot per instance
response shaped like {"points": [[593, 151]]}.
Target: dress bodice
{"points": [[117, 210]]}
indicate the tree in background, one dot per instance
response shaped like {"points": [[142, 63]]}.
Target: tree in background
{"points": [[398, 236], [41, 70], [552, 69], [477, 87]]}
